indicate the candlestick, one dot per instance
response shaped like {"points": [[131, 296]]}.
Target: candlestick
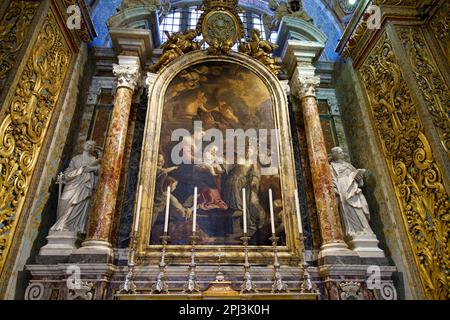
{"points": [[299, 218], [138, 210], [191, 285], [244, 210], [194, 220], [128, 287], [166, 221], [247, 285], [278, 285], [161, 286], [272, 219]]}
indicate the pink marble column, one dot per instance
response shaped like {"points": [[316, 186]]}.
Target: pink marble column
{"points": [[327, 210], [100, 221]]}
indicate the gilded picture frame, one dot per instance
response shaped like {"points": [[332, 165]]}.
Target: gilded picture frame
{"points": [[158, 84]]}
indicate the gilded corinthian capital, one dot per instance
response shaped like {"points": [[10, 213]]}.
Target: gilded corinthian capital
{"points": [[305, 86], [127, 75]]}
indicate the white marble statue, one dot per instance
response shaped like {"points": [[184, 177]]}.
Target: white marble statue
{"points": [[347, 183], [80, 179]]}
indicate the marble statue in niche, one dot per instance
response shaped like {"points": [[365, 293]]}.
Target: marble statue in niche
{"points": [[347, 181], [80, 179], [355, 215]]}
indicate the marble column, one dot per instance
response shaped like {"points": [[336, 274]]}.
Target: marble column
{"points": [[304, 87], [127, 73]]}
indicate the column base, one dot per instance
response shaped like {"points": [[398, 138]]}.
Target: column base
{"points": [[335, 249], [93, 251], [366, 245]]}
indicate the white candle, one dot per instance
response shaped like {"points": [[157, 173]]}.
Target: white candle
{"points": [[299, 218], [138, 209], [244, 210], [272, 219], [194, 220], [166, 220]]}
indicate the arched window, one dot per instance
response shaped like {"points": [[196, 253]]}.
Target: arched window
{"points": [[194, 15], [258, 24], [184, 18], [171, 23]]}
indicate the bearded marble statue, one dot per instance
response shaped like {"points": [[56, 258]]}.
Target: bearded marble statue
{"points": [[80, 179], [347, 183]]}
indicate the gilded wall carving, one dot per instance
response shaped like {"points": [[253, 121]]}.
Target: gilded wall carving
{"points": [[430, 82], [25, 121], [440, 24], [414, 173], [14, 26]]}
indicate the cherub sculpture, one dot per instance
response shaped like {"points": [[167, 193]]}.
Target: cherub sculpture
{"points": [[176, 45], [261, 50]]}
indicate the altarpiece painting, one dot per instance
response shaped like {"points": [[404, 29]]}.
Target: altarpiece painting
{"points": [[228, 98], [197, 106]]}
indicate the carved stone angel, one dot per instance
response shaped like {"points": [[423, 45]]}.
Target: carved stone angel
{"points": [[80, 179], [176, 45]]}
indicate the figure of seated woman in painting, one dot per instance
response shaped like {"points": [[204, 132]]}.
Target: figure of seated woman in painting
{"points": [[180, 223], [211, 171], [210, 180]]}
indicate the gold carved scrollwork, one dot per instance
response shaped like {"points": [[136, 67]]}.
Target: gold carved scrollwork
{"points": [[25, 122], [83, 32], [440, 24], [417, 180], [14, 26], [430, 82]]}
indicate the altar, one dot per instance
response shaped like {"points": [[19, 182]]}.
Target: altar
{"points": [[255, 296], [215, 179]]}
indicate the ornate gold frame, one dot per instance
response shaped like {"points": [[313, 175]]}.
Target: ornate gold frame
{"points": [[211, 14], [205, 253]]}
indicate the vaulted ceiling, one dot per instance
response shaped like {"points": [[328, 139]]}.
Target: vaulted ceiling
{"points": [[330, 16]]}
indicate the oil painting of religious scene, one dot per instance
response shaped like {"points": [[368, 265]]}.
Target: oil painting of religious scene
{"points": [[214, 104]]}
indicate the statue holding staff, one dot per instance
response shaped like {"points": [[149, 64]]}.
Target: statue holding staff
{"points": [[80, 179]]}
